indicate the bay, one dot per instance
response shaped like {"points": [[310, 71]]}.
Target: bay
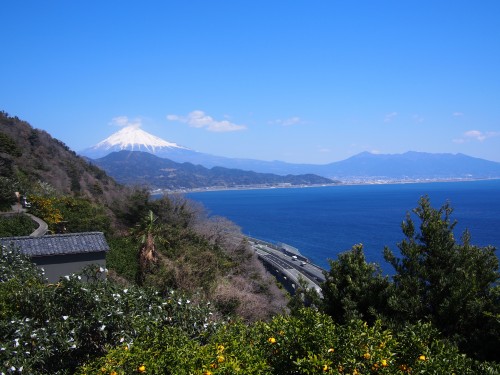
{"points": [[325, 221]]}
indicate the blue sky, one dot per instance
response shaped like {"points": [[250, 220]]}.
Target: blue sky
{"points": [[299, 81]]}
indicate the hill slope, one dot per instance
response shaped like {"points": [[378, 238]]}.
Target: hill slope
{"points": [[29, 156], [142, 168]]}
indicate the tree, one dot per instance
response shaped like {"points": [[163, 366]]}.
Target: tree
{"points": [[148, 231], [444, 282], [353, 288]]}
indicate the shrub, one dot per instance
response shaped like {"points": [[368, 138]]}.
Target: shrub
{"points": [[79, 215], [16, 225], [53, 328], [309, 343]]}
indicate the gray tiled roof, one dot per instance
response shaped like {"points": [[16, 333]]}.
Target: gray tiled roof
{"points": [[58, 244]]}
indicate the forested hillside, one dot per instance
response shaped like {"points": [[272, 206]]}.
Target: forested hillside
{"points": [[32, 159], [192, 252]]}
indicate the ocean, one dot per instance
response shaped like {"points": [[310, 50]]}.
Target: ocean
{"points": [[325, 221]]}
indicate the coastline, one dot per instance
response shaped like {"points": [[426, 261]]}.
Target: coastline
{"points": [[352, 182]]}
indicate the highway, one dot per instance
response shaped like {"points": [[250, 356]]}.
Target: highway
{"points": [[290, 267]]}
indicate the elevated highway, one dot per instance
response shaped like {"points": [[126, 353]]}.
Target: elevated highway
{"points": [[287, 268]]}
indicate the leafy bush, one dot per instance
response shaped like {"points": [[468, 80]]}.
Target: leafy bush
{"points": [[122, 257], [99, 327], [16, 225], [309, 343], [53, 328], [78, 214]]}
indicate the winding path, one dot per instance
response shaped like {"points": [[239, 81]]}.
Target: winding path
{"points": [[42, 225]]}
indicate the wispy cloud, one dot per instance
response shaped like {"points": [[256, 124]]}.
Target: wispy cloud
{"points": [[418, 119], [457, 114], [390, 116], [124, 121], [475, 135], [199, 119], [287, 122]]}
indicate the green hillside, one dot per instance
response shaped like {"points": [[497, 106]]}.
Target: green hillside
{"points": [[193, 253]]}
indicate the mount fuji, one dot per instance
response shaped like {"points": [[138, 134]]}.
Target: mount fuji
{"points": [[131, 138], [363, 166], [133, 156]]}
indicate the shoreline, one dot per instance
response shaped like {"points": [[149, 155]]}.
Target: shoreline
{"points": [[341, 183]]}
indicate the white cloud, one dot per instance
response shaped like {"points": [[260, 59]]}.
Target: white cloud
{"points": [[390, 116], [199, 119], [457, 114], [287, 122], [123, 121], [476, 135], [324, 150]]}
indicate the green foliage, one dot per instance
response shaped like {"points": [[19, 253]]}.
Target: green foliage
{"points": [[353, 288], [99, 327], [50, 161], [304, 296], [122, 257], [78, 214], [7, 188], [133, 207], [308, 343], [83, 216], [14, 265], [16, 225], [16, 272], [161, 351], [51, 329], [446, 283], [9, 145]]}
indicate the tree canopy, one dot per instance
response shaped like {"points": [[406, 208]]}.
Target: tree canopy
{"points": [[452, 285]]}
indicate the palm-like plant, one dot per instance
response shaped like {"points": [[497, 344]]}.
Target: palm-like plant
{"points": [[149, 231]]}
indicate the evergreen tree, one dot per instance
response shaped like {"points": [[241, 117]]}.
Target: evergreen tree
{"points": [[449, 284], [354, 288]]}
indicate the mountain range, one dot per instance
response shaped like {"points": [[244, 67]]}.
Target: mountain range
{"points": [[361, 167], [143, 168]]}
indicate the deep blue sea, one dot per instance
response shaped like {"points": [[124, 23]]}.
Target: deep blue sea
{"points": [[325, 221]]}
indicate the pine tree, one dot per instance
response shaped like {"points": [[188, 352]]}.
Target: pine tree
{"points": [[447, 283]]}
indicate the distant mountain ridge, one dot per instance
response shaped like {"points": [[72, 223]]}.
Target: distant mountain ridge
{"points": [[361, 167], [412, 165], [142, 168]]}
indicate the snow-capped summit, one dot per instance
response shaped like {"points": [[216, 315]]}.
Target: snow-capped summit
{"points": [[132, 138]]}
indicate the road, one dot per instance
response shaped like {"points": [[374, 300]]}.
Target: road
{"points": [[290, 267]]}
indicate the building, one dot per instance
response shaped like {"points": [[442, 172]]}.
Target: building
{"points": [[292, 252], [62, 254]]}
